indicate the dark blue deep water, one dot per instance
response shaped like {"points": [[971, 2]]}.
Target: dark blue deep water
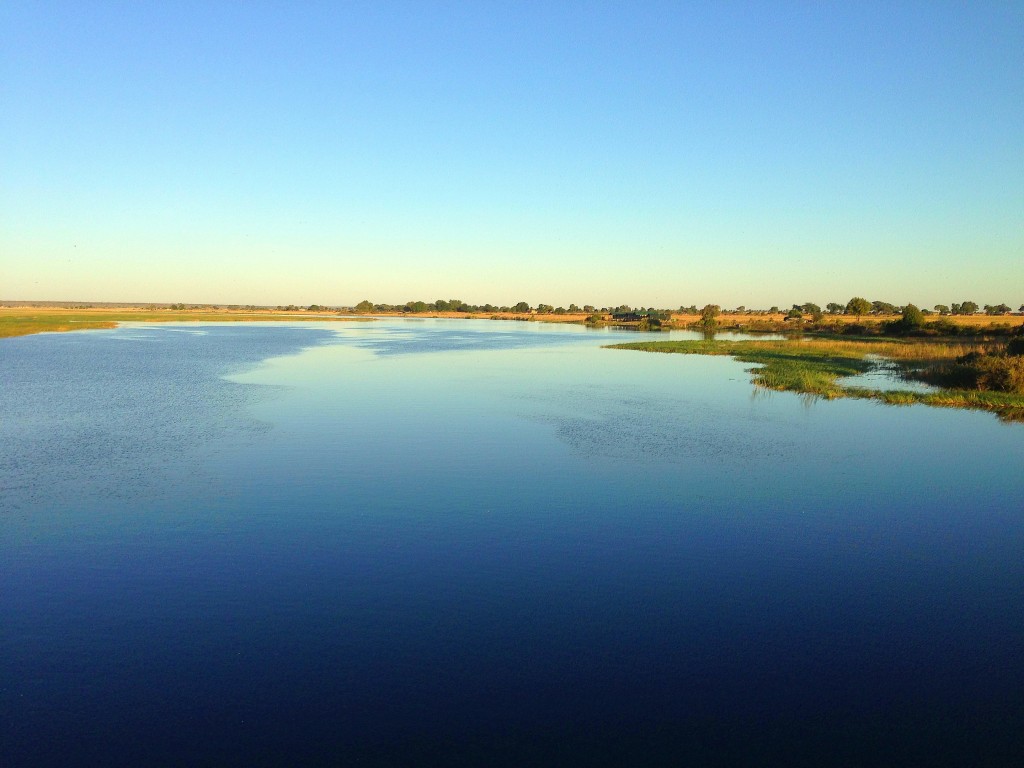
{"points": [[481, 543]]}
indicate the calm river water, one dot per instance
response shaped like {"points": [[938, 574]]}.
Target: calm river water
{"points": [[482, 543]]}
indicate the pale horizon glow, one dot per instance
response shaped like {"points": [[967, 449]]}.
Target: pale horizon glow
{"points": [[667, 154]]}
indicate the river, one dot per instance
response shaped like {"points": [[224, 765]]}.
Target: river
{"points": [[455, 542]]}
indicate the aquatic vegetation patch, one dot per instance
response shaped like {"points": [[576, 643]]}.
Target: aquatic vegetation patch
{"points": [[24, 322], [999, 372], [814, 367]]}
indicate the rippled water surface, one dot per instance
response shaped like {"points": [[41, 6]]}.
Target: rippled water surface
{"points": [[482, 543]]}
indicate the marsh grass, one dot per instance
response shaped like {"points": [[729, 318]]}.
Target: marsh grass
{"points": [[814, 366], [23, 322], [27, 325]]}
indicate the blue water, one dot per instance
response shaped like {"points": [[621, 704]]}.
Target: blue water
{"points": [[482, 543]]}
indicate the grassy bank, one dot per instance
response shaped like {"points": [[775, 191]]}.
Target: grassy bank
{"points": [[22, 321], [814, 366]]}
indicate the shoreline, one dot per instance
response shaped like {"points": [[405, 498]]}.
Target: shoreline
{"points": [[25, 318]]}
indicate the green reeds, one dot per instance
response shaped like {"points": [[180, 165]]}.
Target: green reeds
{"points": [[813, 367]]}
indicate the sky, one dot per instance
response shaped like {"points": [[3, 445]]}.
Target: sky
{"points": [[646, 153]]}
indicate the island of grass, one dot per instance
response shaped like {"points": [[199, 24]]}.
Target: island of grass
{"points": [[23, 321], [983, 375]]}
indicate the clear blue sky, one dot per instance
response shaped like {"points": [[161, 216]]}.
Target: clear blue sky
{"points": [[647, 153]]}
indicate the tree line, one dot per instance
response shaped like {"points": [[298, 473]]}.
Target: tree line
{"points": [[457, 305], [856, 306]]}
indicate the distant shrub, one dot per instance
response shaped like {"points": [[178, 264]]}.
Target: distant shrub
{"points": [[862, 329], [912, 317], [999, 372], [943, 327], [911, 323]]}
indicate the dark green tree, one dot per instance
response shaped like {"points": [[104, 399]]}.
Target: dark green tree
{"points": [[812, 309], [912, 317], [858, 306], [709, 315]]}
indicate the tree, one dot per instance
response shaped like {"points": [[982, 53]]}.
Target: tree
{"points": [[709, 314], [522, 307], [942, 309], [364, 306], [858, 306], [968, 308], [833, 308], [812, 309], [912, 317], [996, 309], [883, 308]]}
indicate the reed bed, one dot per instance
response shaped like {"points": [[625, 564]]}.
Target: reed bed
{"points": [[814, 366]]}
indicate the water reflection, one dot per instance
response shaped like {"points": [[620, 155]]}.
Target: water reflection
{"points": [[885, 376]]}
